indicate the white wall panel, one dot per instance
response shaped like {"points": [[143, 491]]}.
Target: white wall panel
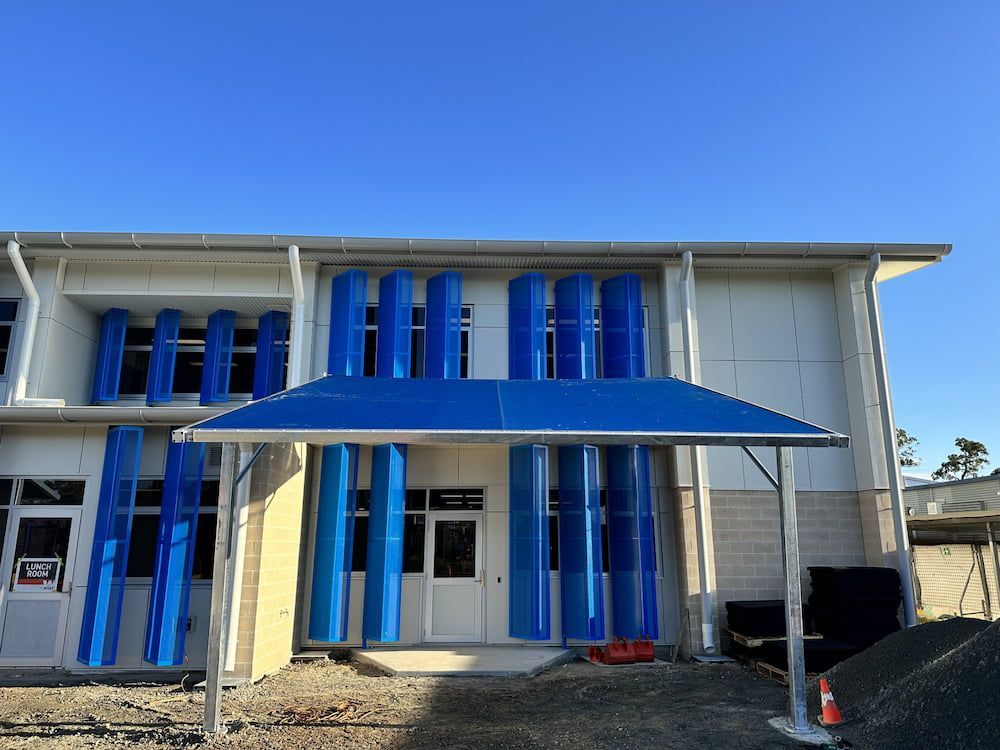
{"points": [[824, 394], [817, 329], [431, 465], [763, 322], [715, 321]]}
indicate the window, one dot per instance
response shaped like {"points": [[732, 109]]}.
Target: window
{"points": [[8, 316], [146, 529], [51, 492], [414, 523], [417, 340], [189, 362], [550, 341], [554, 530]]}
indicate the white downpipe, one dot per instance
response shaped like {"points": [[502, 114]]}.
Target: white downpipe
{"points": [[298, 318], [889, 441], [697, 465], [17, 397], [234, 584]]}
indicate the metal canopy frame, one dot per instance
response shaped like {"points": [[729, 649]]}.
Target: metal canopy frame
{"points": [[796, 724]]}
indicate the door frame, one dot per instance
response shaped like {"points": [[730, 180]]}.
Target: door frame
{"points": [[433, 516], [18, 512]]}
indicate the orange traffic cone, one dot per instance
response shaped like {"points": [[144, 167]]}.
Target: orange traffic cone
{"points": [[831, 714]]}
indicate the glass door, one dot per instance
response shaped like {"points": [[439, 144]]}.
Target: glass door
{"points": [[39, 553], [455, 579]]}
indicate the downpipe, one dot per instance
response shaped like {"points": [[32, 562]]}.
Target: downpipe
{"points": [[298, 318], [17, 397], [697, 463], [889, 440]]}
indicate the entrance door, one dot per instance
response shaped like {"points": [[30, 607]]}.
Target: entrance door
{"points": [[37, 576], [454, 611]]}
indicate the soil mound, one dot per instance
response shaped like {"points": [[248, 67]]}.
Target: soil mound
{"points": [[933, 685]]}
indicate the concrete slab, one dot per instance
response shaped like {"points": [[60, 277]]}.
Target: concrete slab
{"points": [[463, 661]]}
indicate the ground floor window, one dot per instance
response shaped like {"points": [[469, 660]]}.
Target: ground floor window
{"points": [[146, 529], [418, 502]]}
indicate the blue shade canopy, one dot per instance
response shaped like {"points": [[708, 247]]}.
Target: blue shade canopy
{"points": [[653, 411]]}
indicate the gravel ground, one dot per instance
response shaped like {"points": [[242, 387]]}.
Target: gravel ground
{"points": [[932, 686], [332, 705]]}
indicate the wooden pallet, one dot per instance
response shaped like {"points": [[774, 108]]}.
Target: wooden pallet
{"points": [[757, 641], [774, 673]]}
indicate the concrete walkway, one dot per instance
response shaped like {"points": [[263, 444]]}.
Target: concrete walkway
{"points": [[463, 661]]}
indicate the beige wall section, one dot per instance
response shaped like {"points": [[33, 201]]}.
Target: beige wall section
{"points": [[272, 587]]}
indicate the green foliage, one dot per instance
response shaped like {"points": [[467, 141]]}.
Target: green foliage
{"points": [[972, 457], [906, 444]]}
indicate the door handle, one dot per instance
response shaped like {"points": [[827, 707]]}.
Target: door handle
{"points": [[482, 578]]}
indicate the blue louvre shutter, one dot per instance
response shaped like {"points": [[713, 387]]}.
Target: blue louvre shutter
{"points": [[526, 348], [110, 349], [580, 571], [218, 357], [384, 560], [166, 620], [269, 363], [160, 381], [529, 610], [395, 325], [443, 352], [102, 605], [575, 327], [347, 324], [621, 327]]}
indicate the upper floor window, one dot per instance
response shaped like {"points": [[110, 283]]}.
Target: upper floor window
{"points": [[188, 364], [417, 339], [8, 316], [550, 341]]}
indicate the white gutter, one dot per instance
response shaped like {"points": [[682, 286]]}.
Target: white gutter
{"points": [[889, 441], [136, 415], [298, 318], [234, 586], [17, 396], [697, 462]]}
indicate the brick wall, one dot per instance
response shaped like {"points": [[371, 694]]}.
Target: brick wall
{"points": [[271, 599], [747, 536]]}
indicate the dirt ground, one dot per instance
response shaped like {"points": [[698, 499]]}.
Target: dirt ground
{"points": [[328, 704]]}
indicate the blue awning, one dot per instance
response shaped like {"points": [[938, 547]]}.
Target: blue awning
{"points": [[652, 411]]}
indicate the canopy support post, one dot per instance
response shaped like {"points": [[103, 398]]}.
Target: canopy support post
{"points": [[220, 575], [797, 723], [221, 584]]}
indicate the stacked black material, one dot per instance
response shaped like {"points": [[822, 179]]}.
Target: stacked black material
{"points": [[820, 654], [759, 619], [855, 605]]}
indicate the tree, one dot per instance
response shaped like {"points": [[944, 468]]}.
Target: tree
{"points": [[972, 457], [906, 444], [995, 472]]}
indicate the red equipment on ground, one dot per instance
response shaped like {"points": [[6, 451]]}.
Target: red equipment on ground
{"points": [[623, 651]]}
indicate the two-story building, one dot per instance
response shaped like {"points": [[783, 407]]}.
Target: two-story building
{"points": [[108, 342]]}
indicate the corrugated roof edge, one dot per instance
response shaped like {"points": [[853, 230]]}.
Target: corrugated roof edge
{"points": [[471, 247]]}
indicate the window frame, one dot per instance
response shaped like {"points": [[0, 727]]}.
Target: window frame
{"points": [[550, 341], [11, 343], [155, 510], [189, 326], [417, 363]]}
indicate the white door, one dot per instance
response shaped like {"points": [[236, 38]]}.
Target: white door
{"points": [[455, 578], [37, 576]]}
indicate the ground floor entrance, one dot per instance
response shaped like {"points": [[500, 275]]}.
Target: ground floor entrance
{"points": [[39, 554], [455, 578]]}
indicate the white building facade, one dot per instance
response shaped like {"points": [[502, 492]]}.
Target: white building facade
{"points": [[782, 325]]}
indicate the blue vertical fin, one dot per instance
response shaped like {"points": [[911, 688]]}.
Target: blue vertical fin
{"points": [[443, 350]]}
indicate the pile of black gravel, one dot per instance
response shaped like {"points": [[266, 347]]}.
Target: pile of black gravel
{"points": [[934, 685]]}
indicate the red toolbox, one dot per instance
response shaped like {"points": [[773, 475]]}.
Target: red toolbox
{"points": [[644, 649], [619, 651]]}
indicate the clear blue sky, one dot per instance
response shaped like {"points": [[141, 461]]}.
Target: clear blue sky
{"points": [[847, 121]]}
